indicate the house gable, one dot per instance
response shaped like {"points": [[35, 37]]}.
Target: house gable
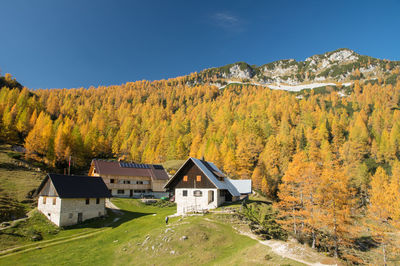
{"points": [[47, 188], [190, 170]]}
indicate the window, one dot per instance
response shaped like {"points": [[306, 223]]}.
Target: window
{"points": [[184, 193], [49, 214], [197, 193], [198, 178], [70, 215], [185, 178], [44, 200], [111, 180], [139, 182], [97, 200], [222, 193], [121, 191], [87, 201], [139, 191], [54, 201]]}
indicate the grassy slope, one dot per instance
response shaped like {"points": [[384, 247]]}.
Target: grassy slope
{"points": [[209, 242], [16, 181], [173, 165]]}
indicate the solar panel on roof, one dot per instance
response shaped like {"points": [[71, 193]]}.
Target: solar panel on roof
{"points": [[138, 165]]}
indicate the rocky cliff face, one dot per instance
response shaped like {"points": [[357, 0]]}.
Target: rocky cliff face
{"points": [[342, 65]]}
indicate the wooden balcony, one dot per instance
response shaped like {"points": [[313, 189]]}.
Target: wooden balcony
{"points": [[128, 186]]}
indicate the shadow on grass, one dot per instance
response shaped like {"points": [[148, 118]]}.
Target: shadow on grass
{"points": [[248, 201], [11, 234], [112, 220], [11, 166]]}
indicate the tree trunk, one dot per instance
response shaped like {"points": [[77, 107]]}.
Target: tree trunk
{"points": [[294, 223], [335, 233], [384, 254], [313, 239]]}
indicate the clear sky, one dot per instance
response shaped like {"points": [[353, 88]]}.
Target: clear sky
{"points": [[82, 43]]}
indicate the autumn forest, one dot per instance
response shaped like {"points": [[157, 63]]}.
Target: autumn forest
{"points": [[330, 162]]}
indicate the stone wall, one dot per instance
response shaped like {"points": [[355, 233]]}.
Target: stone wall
{"points": [[65, 211], [71, 207]]}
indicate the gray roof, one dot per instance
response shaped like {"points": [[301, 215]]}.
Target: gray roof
{"points": [[219, 184], [212, 172]]}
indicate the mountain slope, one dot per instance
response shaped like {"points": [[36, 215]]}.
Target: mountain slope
{"points": [[342, 65]]}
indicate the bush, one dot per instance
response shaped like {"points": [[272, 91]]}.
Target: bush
{"points": [[262, 218]]}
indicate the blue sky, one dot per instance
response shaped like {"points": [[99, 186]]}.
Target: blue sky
{"points": [[69, 44]]}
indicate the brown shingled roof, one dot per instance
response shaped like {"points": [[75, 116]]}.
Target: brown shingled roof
{"points": [[155, 172]]}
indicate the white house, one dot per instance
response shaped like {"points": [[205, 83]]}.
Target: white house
{"points": [[199, 185], [68, 200]]}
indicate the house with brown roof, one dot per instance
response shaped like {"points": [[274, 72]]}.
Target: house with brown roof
{"points": [[131, 180], [67, 200], [199, 185]]}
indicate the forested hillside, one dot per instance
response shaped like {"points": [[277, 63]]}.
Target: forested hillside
{"points": [[329, 157]]}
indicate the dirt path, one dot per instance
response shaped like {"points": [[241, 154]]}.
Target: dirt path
{"points": [[111, 206], [23, 249], [12, 223], [290, 250]]}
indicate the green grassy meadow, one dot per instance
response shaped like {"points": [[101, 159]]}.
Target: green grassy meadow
{"points": [[16, 181], [138, 237]]}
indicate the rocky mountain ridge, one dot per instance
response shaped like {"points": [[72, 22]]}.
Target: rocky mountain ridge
{"points": [[342, 65]]}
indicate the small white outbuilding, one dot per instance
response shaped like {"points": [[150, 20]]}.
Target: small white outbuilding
{"points": [[68, 200]]}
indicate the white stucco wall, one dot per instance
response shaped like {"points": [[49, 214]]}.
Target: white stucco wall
{"points": [[65, 212], [51, 211], [191, 203]]}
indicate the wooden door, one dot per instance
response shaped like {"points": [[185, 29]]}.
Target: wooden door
{"points": [[80, 217]]}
